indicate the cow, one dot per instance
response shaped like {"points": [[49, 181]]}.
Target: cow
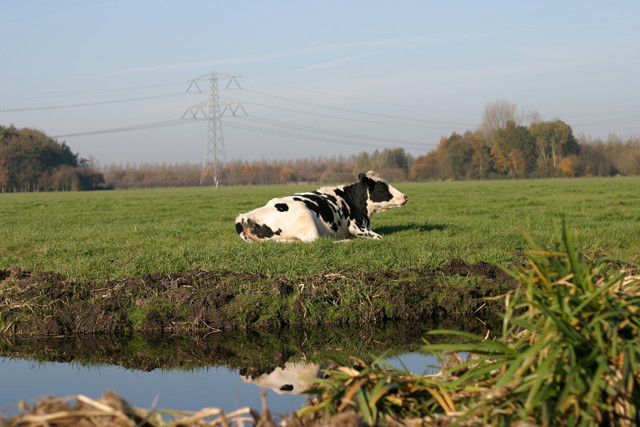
{"points": [[341, 212], [293, 378]]}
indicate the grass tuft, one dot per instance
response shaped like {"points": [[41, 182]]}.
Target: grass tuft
{"points": [[569, 355]]}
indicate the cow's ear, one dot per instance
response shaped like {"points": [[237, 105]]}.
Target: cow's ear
{"points": [[362, 177]]}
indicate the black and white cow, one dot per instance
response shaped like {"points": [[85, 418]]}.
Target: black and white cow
{"points": [[338, 212], [293, 378]]}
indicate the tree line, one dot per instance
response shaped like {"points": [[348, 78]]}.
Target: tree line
{"points": [[505, 145], [393, 164], [32, 161], [543, 149]]}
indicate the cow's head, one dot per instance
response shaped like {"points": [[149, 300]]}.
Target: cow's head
{"points": [[381, 195]]}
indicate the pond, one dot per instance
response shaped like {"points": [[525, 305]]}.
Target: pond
{"points": [[224, 370]]}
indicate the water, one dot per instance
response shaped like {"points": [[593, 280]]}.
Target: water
{"points": [[222, 370], [220, 387], [187, 390]]}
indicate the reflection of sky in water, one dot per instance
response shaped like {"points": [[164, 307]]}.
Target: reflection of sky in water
{"points": [[415, 363], [181, 390]]}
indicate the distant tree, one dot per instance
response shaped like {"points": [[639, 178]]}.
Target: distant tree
{"points": [[500, 159], [362, 163], [516, 145], [4, 170], [287, 174], [425, 167], [393, 161], [518, 163], [594, 159], [394, 158], [569, 165], [531, 117], [457, 155], [32, 161], [481, 157], [554, 140], [496, 116], [628, 162]]}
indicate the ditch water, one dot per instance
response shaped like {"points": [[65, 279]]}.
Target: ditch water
{"points": [[224, 370], [220, 387]]}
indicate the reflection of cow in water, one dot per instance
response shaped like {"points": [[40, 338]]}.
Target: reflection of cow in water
{"points": [[290, 379]]}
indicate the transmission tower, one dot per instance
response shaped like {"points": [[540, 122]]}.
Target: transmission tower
{"points": [[212, 111]]}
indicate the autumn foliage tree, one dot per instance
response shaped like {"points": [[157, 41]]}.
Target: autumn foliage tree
{"points": [[543, 149], [481, 162], [31, 161], [516, 149], [503, 148], [554, 142]]}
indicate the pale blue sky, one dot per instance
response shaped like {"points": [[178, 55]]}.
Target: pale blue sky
{"points": [[318, 78]]}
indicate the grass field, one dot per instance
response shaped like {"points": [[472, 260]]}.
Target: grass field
{"points": [[115, 234]]}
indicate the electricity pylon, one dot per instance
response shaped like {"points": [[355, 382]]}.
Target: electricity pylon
{"points": [[214, 158]]}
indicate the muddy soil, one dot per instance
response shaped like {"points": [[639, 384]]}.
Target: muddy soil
{"points": [[49, 304]]}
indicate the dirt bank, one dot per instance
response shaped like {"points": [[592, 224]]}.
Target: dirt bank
{"points": [[46, 303]]}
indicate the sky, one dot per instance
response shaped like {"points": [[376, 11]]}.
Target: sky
{"points": [[305, 79]]}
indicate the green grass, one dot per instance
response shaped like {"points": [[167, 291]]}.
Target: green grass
{"points": [[568, 354], [115, 234]]}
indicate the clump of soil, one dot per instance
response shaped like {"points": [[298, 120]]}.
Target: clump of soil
{"points": [[47, 303]]}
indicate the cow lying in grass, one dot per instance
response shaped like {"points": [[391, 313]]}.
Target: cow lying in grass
{"points": [[338, 212]]}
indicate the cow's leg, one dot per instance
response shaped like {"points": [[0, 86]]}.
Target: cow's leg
{"points": [[368, 234], [363, 232]]}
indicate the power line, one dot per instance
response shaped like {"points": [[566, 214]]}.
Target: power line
{"points": [[353, 98], [88, 104], [212, 111], [124, 129], [629, 119], [330, 132], [59, 93], [344, 118], [348, 110], [383, 142], [262, 130]]}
